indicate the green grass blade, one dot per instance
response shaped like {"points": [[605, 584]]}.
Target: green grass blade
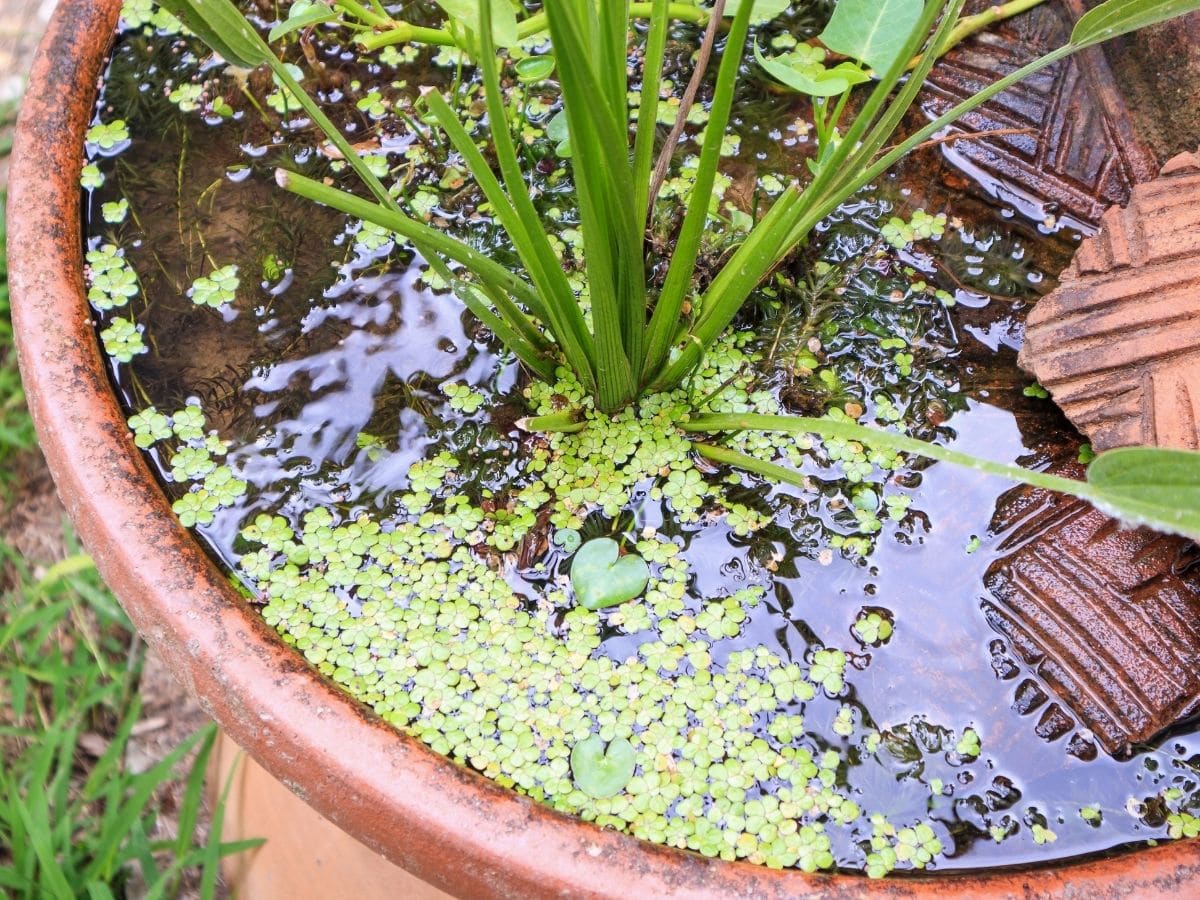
{"points": [[665, 320], [193, 794], [891, 118], [785, 225], [118, 822], [647, 122], [612, 235], [107, 770], [512, 339], [483, 267], [1116, 17], [212, 850], [35, 820], [139, 850], [492, 189], [561, 308]]}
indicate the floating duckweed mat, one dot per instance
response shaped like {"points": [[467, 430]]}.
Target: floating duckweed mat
{"points": [[799, 675]]}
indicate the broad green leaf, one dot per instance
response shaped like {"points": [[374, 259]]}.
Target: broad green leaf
{"points": [[1116, 17], [465, 13], [1150, 486], [219, 24], [762, 12], [602, 772], [602, 579], [871, 31], [302, 14], [803, 72]]}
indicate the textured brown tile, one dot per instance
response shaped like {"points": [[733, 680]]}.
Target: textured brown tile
{"points": [[1106, 619], [1117, 344], [1082, 155]]}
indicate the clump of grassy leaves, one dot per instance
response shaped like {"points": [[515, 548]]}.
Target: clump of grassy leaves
{"points": [[70, 825], [627, 354]]}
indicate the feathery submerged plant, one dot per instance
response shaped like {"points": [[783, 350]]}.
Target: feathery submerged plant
{"points": [[636, 336]]}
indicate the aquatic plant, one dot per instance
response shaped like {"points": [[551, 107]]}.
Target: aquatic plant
{"points": [[636, 337]]}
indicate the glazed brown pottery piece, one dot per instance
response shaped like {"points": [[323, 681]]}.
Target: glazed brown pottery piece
{"points": [[1070, 149], [1105, 617], [1117, 344], [449, 826]]}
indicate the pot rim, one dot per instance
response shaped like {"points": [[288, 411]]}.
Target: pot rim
{"points": [[448, 825]]}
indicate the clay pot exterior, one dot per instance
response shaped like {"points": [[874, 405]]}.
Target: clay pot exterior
{"points": [[447, 825]]}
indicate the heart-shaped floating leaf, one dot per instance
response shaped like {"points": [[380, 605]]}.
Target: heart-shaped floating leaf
{"points": [[602, 772], [533, 69], [871, 31], [603, 578], [1150, 486]]}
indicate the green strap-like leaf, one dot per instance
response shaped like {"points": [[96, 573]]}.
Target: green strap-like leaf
{"points": [[1117, 17], [219, 24], [612, 234], [665, 319]]}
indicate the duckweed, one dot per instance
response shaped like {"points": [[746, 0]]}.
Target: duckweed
{"points": [[217, 288], [122, 340]]}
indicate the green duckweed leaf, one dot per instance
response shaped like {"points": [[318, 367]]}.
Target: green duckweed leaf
{"points": [[602, 772], [871, 31], [533, 69], [1149, 486], [1117, 17], [568, 539], [219, 24], [602, 579]]}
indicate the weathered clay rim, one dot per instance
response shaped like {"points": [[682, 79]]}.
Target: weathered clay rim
{"points": [[451, 827]]}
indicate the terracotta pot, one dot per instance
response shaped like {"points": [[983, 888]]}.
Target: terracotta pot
{"points": [[445, 824]]}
